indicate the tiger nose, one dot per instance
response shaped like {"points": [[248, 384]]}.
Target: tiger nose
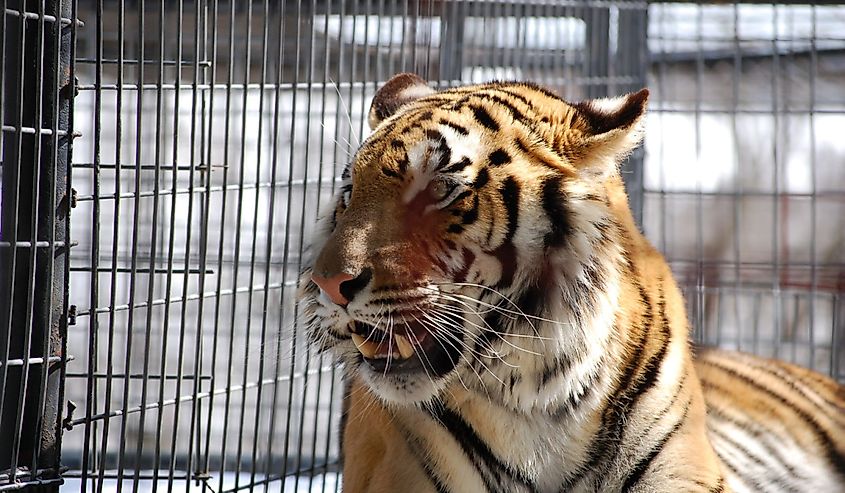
{"points": [[342, 288]]}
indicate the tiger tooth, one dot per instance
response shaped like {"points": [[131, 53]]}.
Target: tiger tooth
{"points": [[367, 348], [405, 347]]}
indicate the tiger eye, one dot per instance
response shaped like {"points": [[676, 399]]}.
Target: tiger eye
{"points": [[439, 189]]}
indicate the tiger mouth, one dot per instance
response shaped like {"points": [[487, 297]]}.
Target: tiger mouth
{"points": [[409, 347]]}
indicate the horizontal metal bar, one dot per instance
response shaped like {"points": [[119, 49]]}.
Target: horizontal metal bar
{"points": [[728, 54], [47, 18], [327, 183], [318, 86], [30, 483], [749, 111], [129, 61], [38, 244], [148, 167], [818, 266], [33, 131], [124, 476], [37, 361], [139, 270], [312, 470], [191, 297], [698, 38], [137, 376], [199, 396], [836, 194]]}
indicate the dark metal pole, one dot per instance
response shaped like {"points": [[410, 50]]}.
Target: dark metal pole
{"points": [[34, 206], [633, 60]]}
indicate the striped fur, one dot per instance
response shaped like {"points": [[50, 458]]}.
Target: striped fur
{"points": [[488, 225]]}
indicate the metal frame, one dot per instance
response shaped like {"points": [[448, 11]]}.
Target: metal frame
{"points": [[37, 89]]}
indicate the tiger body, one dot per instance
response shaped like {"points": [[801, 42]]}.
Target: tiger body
{"points": [[505, 326]]}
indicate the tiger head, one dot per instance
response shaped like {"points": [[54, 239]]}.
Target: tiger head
{"points": [[475, 243]]}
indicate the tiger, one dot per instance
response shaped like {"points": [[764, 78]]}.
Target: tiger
{"points": [[504, 326]]}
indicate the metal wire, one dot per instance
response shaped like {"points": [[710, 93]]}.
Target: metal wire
{"points": [[208, 136]]}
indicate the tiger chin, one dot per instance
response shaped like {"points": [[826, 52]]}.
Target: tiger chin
{"points": [[505, 327]]}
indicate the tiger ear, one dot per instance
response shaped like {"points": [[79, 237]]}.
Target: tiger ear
{"points": [[614, 128], [400, 90]]}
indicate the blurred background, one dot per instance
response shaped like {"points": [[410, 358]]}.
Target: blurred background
{"points": [[164, 163]]}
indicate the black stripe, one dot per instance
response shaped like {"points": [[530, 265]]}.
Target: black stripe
{"points": [[758, 430], [499, 157], [835, 457], [510, 198], [471, 215], [491, 468], [458, 165], [484, 117], [636, 474], [389, 172], [468, 257], [481, 178], [560, 364], [523, 148], [397, 144], [789, 379], [514, 95], [757, 460], [719, 487], [403, 164], [553, 204], [445, 156], [515, 113], [417, 448], [506, 255], [433, 134], [607, 441], [457, 128]]}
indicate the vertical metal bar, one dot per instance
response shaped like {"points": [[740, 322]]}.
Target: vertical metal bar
{"points": [[115, 246], [242, 166], [811, 110], [738, 184], [332, 175], [92, 384], [136, 219], [598, 37], [632, 53], [221, 243], [208, 152], [153, 246], [700, 283], [200, 18], [776, 192], [294, 336], [266, 294], [171, 239], [277, 128]]}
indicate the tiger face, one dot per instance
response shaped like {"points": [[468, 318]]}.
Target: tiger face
{"points": [[463, 251]]}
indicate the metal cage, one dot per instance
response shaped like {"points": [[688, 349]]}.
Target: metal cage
{"points": [[148, 331]]}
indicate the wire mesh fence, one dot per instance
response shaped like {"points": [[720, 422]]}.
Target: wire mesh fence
{"points": [[208, 136], [744, 185]]}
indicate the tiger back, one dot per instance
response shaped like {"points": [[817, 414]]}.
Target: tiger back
{"points": [[505, 327]]}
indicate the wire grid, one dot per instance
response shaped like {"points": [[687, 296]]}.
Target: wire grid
{"points": [[213, 134], [744, 184]]}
